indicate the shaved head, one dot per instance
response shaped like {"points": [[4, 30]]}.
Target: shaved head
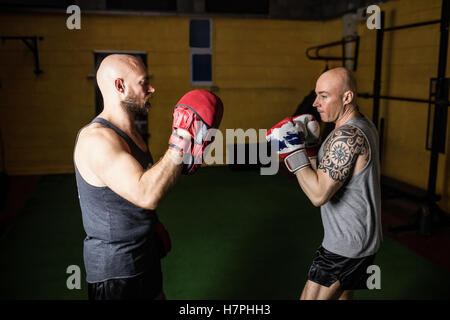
{"points": [[119, 77], [116, 66], [340, 79], [335, 95]]}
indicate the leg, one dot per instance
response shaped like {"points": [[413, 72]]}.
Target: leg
{"points": [[315, 291]]}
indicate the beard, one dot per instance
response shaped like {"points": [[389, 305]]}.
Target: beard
{"points": [[133, 107]]}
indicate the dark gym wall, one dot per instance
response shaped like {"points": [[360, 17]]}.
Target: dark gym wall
{"points": [[410, 59]]}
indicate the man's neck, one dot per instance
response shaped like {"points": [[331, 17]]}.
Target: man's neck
{"points": [[349, 113], [120, 118]]}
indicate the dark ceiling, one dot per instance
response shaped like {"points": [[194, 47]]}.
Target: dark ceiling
{"points": [[276, 9]]}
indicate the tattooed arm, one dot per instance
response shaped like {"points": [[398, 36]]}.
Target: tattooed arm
{"points": [[345, 153]]}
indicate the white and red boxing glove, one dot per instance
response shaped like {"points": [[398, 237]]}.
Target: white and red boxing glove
{"points": [[198, 112], [288, 140], [310, 126]]}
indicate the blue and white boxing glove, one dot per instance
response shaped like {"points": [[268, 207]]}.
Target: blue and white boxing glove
{"points": [[288, 140], [310, 126]]}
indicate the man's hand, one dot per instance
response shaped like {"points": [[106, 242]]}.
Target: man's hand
{"points": [[308, 124], [197, 112], [289, 142]]}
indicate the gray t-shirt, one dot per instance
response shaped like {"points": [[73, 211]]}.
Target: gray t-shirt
{"points": [[352, 217]]}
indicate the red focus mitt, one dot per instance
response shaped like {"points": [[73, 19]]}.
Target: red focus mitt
{"points": [[199, 112]]}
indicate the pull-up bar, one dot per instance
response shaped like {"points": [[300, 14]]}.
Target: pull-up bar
{"points": [[342, 43], [367, 96], [32, 44]]}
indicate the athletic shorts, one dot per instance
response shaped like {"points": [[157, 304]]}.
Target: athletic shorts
{"points": [[328, 267], [145, 286]]}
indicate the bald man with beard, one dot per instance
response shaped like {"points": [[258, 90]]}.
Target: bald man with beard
{"points": [[345, 184], [120, 188]]}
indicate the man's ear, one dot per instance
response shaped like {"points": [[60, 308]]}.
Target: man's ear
{"points": [[119, 85], [348, 97]]}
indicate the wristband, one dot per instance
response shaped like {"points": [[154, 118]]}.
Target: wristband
{"points": [[297, 160], [178, 143]]}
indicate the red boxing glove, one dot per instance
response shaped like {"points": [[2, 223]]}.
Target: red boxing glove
{"points": [[163, 239], [198, 112]]}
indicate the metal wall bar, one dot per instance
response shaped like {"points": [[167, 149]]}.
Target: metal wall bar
{"points": [[367, 96], [378, 67], [413, 25], [32, 45], [342, 43], [440, 111]]}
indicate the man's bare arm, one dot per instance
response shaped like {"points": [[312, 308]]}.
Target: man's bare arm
{"points": [[111, 162], [336, 166], [159, 179]]}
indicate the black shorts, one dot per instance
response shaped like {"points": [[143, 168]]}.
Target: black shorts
{"points": [[145, 286], [328, 267]]}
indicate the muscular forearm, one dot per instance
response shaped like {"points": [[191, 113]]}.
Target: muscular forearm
{"points": [[308, 179], [156, 182]]}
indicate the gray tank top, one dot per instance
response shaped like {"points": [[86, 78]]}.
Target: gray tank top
{"points": [[120, 236], [352, 217]]}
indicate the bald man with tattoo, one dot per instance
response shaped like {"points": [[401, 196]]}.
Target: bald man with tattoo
{"points": [[345, 183]]}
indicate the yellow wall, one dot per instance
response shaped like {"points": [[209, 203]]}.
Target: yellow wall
{"points": [[40, 115], [259, 66]]}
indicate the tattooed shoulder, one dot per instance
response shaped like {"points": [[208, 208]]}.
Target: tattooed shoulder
{"points": [[341, 152]]}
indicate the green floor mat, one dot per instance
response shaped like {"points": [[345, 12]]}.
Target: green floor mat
{"points": [[235, 235]]}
